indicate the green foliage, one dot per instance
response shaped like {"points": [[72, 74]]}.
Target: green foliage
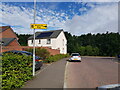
{"points": [[55, 58], [16, 70], [23, 39], [42, 52], [106, 44]]}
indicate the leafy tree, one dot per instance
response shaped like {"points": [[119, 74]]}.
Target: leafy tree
{"points": [[42, 52], [23, 39]]}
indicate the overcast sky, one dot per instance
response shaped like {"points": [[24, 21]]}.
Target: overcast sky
{"points": [[75, 17]]}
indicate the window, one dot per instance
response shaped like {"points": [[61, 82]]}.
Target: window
{"points": [[48, 41], [63, 42], [39, 41], [31, 41], [63, 49]]}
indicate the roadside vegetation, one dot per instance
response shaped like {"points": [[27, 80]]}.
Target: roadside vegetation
{"points": [[45, 55], [16, 69], [41, 52], [55, 58]]}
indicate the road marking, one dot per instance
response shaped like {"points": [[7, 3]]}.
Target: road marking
{"points": [[42, 69], [65, 76]]}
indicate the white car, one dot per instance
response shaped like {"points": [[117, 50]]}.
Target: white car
{"points": [[109, 87], [75, 57]]}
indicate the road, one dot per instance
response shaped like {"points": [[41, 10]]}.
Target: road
{"points": [[50, 77], [91, 72]]}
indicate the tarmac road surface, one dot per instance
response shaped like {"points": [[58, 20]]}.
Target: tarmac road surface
{"points": [[50, 77], [91, 72]]}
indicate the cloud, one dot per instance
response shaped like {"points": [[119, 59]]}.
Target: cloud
{"points": [[20, 18], [98, 20]]}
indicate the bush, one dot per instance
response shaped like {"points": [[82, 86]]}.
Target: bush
{"points": [[16, 70], [57, 57], [88, 50], [41, 52]]}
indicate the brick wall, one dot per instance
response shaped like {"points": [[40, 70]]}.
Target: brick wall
{"points": [[22, 48], [52, 51], [8, 34], [14, 43], [9, 48]]}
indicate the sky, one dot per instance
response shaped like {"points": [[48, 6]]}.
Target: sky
{"points": [[75, 17]]}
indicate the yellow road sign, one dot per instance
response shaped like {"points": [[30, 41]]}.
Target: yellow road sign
{"points": [[38, 26]]}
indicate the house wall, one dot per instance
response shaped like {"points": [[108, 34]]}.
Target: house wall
{"points": [[14, 43], [61, 42], [58, 43], [8, 34], [43, 43]]}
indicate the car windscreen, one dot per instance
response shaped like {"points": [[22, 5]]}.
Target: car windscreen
{"points": [[36, 57], [27, 53], [75, 55]]}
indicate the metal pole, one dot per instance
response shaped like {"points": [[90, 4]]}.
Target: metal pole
{"points": [[34, 40]]}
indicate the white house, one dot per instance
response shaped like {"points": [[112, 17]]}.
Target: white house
{"points": [[53, 39]]}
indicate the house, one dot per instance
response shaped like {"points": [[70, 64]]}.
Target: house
{"points": [[52, 39], [9, 41], [8, 38]]}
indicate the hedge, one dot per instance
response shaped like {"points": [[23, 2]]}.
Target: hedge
{"points": [[16, 70], [57, 57]]}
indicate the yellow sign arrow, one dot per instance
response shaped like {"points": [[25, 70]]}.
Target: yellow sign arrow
{"points": [[38, 26]]}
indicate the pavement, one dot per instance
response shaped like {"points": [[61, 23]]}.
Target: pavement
{"points": [[91, 72], [51, 76]]}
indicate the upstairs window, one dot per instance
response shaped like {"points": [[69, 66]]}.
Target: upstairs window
{"points": [[48, 41], [63, 42]]}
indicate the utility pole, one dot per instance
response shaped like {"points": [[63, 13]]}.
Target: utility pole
{"points": [[34, 39], [36, 26]]}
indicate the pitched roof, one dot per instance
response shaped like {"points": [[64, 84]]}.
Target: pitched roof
{"points": [[7, 41], [3, 28], [46, 34]]}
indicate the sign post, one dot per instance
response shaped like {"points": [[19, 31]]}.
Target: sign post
{"points": [[36, 26], [34, 40]]}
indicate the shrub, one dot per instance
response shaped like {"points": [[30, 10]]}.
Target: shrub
{"points": [[16, 70], [41, 52], [57, 57]]}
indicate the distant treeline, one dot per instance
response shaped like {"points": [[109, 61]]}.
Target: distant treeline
{"points": [[23, 39], [106, 44]]}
